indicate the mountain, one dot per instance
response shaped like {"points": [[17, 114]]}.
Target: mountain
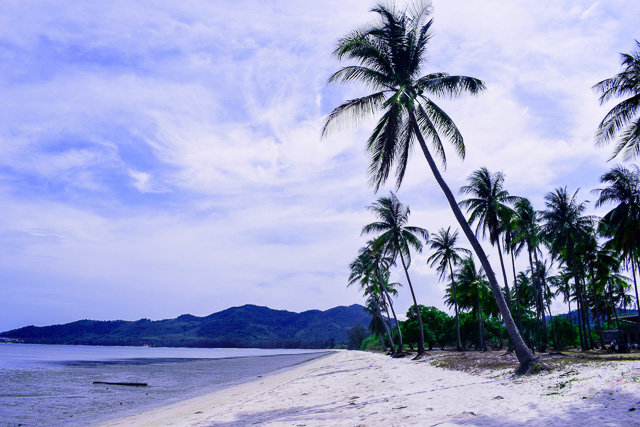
{"points": [[246, 326]]}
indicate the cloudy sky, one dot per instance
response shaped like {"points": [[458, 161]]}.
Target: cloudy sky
{"points": [[164, 157]]}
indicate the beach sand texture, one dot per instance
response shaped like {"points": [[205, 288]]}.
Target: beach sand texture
{"points": [[367, 389]]}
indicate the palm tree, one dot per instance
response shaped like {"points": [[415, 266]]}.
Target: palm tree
{"points": [[508, 229], [362, 272], [474, 289], [564, 225], [620, 119], [487, 205], [527, 235], [622, 223], [388, 55], [446, 255], [396, 238]]}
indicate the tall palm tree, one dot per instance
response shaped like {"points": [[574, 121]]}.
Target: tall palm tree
{"points": [[623, 119], [486, 206], [622, 224], [446, 255], [388, 56], [527, 235], [564, 223], [397, 238], [508, 229]]}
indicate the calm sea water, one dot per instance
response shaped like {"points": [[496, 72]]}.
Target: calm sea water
{"points": [[53, 385]]}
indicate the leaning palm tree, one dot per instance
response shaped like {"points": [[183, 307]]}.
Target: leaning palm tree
{"points": [[623, 119], [564, 224], [388, 56], [446, 255], [397, 238], [487, 206]]}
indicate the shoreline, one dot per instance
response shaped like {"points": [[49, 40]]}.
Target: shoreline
{"points": [[353, 388]]}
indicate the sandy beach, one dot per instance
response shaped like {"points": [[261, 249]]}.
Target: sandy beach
{"points": [[350, 388]]}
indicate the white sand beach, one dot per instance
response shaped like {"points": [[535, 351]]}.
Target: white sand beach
{"points": [[351, 388]]}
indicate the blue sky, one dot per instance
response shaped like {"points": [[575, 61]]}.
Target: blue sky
{"points": [[161, 158]]}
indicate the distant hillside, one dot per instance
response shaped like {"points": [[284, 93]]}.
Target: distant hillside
{"points": [[246, 326]]}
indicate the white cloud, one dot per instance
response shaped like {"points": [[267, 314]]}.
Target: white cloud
{"points": [[165, 158]]}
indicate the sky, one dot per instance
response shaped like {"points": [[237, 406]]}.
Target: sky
{"points": [[164, 157]]}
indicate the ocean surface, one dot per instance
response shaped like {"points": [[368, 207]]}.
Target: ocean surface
{"points": [[53, 385]]}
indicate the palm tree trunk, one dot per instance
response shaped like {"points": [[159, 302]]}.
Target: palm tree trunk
{"points": [[574, 268], [534, 284], [553, 329], [595, 306], [389, 325], [515, 285], [386, 327], [395, 318], [615, 312], [590, 341], [635, 285], [541, 286], [525, 357], [415, 306], [504, 276], [573, 333], [455, 306]]}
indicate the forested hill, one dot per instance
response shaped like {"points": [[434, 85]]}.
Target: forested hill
{"points": [[246, 326]]}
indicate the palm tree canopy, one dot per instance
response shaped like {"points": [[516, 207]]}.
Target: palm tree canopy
{"points": [[446, 254], [622, 223], [388, 56], [394, 233], [623, 119], [526, 226], [564, 222], [487, 202]]}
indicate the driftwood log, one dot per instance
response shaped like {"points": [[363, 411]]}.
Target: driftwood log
{"points": [[127, 384]]}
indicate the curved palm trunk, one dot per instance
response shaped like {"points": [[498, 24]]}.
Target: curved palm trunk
{"points": [[401, 345], [395, 318], [388, 322], [415, 307], [386, 327], [525, 357], [455, 306]]}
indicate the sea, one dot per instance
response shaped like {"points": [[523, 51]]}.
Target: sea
{"points": [[55, 385]]}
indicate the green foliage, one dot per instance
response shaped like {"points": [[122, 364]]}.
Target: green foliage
{"points": [[437, 325], [566, 331], [371, 344]]}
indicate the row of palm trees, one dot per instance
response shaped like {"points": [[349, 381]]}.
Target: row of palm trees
{"points": [[589, 274], [387, 57]]}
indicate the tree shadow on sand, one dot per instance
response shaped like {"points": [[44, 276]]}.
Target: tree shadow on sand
{"points": [[607, 407]]}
